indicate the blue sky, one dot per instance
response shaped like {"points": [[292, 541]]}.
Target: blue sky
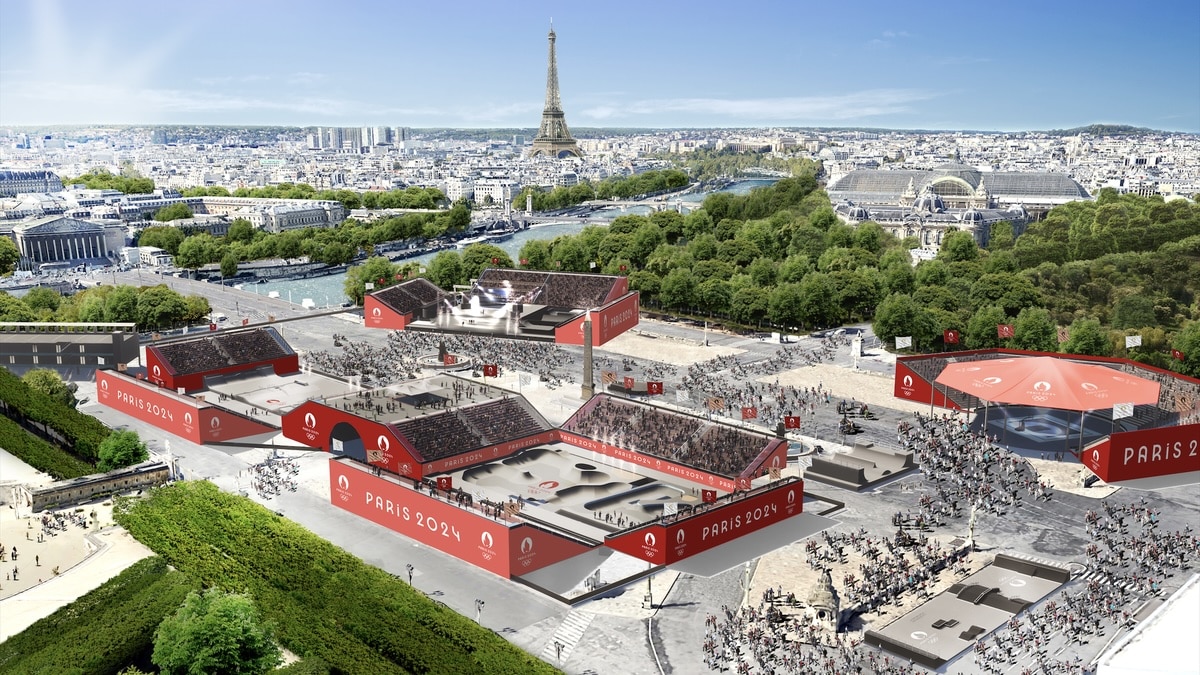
{"points": [[954, 65]]}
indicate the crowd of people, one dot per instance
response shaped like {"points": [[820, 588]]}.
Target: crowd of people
{"points": [[967, 469], [270, 477]]}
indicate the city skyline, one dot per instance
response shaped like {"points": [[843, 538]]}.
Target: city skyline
{"points": [[1023, 67]]}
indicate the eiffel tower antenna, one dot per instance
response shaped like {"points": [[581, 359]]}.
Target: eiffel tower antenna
{"points": [[553, 138]]}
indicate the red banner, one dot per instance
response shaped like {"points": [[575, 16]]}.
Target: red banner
{"points": [[463, 534], [628, 383], [654, 388], [615, 319], [749, 413], [647, 543], [161, 407], [1146, 453], [791, 422], [490, 370], [950, 337], [1005, 330], [716, 525], [445, 482], [708, 496], [1176, 354], [449, 360], [740, 517]]}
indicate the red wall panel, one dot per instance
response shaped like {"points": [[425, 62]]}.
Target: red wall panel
{"points": [[162, 408], [714, 527], [648, 543], [378, 315], [469, 537], [1145, 454], [312, 424], [531, 548], [911, 387], [607, 323]]}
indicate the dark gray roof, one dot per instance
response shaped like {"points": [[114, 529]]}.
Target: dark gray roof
{"points": [[57, 225], [881, 186]]}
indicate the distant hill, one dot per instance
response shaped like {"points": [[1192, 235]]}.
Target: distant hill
{"points": [[1107, 130]]}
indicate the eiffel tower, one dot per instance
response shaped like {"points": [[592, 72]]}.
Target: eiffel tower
{"points": [[553, 138]]}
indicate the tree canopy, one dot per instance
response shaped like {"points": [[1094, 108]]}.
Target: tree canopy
{"points": [[122, 449], [215, 632], [49, 382]]}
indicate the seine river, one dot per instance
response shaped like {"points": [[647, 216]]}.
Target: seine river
{"points": [[327, 291]]}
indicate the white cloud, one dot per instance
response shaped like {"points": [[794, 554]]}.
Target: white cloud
{"points": [[796, 109]]}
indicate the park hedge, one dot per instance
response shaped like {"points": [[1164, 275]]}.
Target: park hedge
{"points": [[326, 603], [103, 631], [81, 434], [39, 454]]}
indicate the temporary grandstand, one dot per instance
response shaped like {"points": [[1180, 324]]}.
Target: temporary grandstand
{"points": [[184, 364], [526, 304]]}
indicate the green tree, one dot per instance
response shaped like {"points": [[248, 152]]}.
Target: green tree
{"points": [[196, 307], [41, 298], [122, 449], [1000, 236], [478, 257], [12, 309], [176, 211], [50, 383], [981, 328], [1134, 311], [535, 253], [749, 305], [215, 632], [714, 295], [445, 269], [958, 246], [10, 255], [229, 265], [678, 289], [818, 301], [240, 230], [121, 305], [1088, 337], [196, 251], [372, 271], [162, 236], [1187, 341], [901, 316], [1035, 330], [159, 306]]}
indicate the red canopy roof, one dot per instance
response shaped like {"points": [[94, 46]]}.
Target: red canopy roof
{"points": [[1048, 382]]}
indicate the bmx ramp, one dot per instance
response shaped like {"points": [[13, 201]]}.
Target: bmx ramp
{"points": [[860, 469]]}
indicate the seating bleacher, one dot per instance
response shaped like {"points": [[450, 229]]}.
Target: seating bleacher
{"points": [[718, 449], [409, 296], [577, 290], [501, 420], [223, 350], [438, 436]]}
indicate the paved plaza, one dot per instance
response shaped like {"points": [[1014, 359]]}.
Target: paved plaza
{"points": [[618, 632]]}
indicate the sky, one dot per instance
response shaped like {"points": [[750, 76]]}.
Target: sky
{"points": [[1003, 66]]}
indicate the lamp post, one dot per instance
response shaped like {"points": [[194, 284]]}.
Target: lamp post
{"points": [[478, 609], [409, 567]]}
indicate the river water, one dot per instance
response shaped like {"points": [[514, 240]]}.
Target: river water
{"points": [[328, 291]]}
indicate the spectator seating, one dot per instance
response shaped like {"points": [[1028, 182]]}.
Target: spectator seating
{"points": [[222, 350], [409, 296]]}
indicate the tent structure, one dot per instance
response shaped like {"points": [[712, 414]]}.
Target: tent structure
{"points": [[1049, 382]]}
